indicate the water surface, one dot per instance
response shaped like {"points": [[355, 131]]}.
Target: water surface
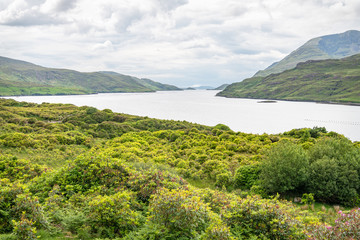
{"points": [[201, 106]]}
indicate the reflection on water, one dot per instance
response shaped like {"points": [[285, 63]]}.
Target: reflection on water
{"points": [[245, 115]]}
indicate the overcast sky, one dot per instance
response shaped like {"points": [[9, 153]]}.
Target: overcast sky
{"points": [[181, 42]]}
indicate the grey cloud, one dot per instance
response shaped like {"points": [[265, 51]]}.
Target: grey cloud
{"points": [[238, 11], [65, 5], [31, 18], [267, 27], [30, 13], [122, 16], [169, 5]]}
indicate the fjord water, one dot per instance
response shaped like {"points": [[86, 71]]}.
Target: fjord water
{"points": [[201, 106]]}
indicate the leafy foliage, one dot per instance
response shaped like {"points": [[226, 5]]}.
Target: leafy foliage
{"points": [[77, 172], [271, 219], [346, 226], [24, 229], [285, 168]]}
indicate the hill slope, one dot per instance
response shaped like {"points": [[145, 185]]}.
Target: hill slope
{"points": [[222, 87], [23, 78], [332, 80], [326, 47]]}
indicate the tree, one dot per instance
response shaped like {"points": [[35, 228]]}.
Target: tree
{"points": [[285, 168], [334, 171]]}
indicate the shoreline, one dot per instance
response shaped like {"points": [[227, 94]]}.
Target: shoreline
{"points": [[294, 100]]}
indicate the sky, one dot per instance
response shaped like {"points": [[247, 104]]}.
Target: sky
{"points": [[180, 42]]}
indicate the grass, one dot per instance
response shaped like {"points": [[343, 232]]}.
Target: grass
{"points": [[201, 183], [53, 158], [326, 212]]}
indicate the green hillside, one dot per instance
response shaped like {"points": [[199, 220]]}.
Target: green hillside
{"points": [[333, 80], [222, 87], [23, 78], [70, 172], [326, 47]]}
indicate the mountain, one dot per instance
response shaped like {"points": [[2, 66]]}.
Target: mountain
{"points": [[332, 80], [24, 78], [326, 47], [222, 87], [199, 88]]}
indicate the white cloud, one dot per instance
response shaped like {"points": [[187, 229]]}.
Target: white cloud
{"points": [[183, 42]]}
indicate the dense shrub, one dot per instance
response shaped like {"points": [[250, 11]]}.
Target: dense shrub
{"points": [[112, 129], [185, 216], [285, 168], [24, 229], [246, 176], [223, 180], [17, 205], [218, 201], [130, 187], [346, 226], [8, 194], [18, 169], [333, 183], [147, 182], [264, 218], [86, 173], [114, 215], [334, 171]]}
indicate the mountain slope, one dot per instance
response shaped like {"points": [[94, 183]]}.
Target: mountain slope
{"points": [[222, 87], [23, 78], [332, 80], [326, 47]]}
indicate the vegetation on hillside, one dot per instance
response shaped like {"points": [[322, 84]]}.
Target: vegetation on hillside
{"points": [[81, 173], [326, 47], [222, 87], [23, 78], [336, 80]]}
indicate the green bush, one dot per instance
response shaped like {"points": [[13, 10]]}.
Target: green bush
{"points": [[265, 218], [113, 216], [246, 176], [86, 172], [334, 171], [307, 198], [73, 220], [18, 169], [24, 228], [180, 211], [8, 194], [147, 182], [222, 127], [346, 226], [223, 179], [284, 169], [333, 183], [16, 204]]}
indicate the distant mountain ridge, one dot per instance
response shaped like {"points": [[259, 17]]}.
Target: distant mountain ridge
{"points": [[331, 80], [23, 78], [333, 46]]}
